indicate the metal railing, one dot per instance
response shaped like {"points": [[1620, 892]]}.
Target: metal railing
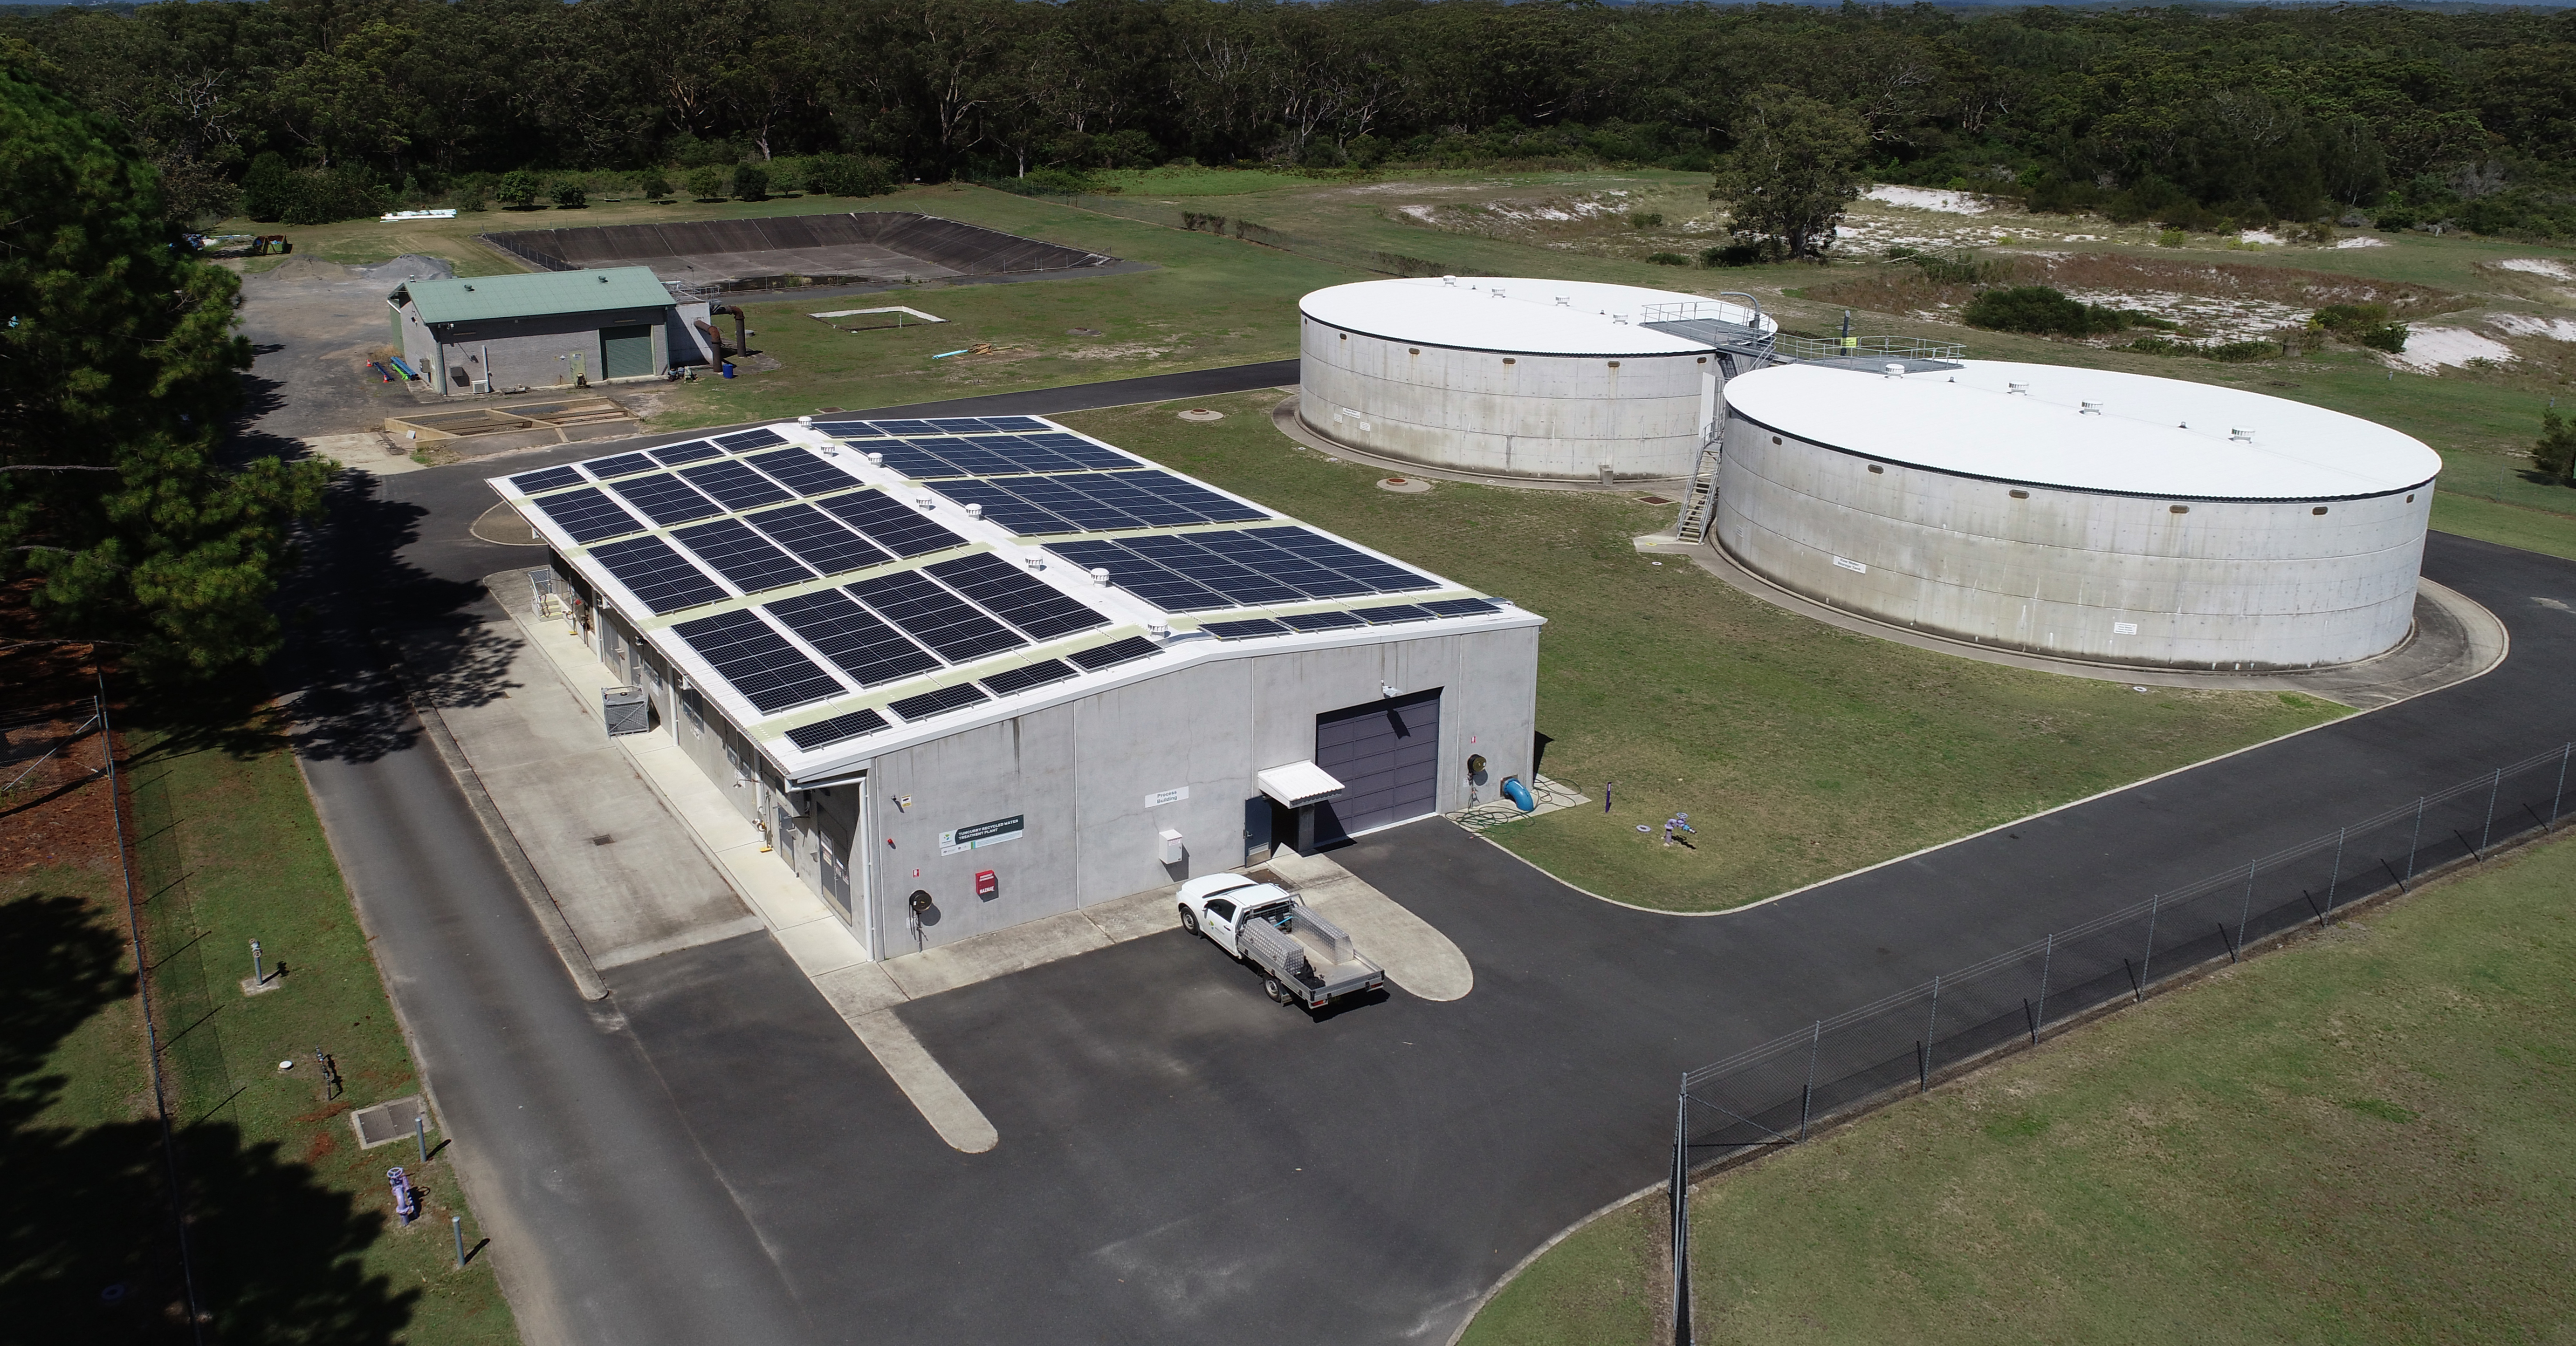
{"points": [[1781, 1091], [1831, 348]]}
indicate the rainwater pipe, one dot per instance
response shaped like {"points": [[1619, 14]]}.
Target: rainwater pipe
{"points": [[1518, 793]]}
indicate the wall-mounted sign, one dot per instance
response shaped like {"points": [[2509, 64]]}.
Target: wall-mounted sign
{"points": [[1162, 797], [2124, 628], [1848, 564], [981, 835]]}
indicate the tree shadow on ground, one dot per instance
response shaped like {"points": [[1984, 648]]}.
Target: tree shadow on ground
{"points": [[88, 1241]]}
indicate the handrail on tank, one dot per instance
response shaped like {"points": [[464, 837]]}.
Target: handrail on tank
{"points": [[1755, 301], [1686, 312]]}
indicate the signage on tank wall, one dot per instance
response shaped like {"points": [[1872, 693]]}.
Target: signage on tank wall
{"points": [[981, 835], [1161, 797]]}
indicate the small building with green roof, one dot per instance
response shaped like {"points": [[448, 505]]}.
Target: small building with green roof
{"points": [[544, 330]]}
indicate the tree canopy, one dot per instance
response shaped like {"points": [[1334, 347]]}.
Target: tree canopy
{"points": [[2192, 116], [1794, 170], [118, 368]]}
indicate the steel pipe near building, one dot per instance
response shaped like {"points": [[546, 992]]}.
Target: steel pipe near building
{"points": [[1517, 377], [2112, 518]]}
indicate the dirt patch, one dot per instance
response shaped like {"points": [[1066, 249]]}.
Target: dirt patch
{"points": [[2226, 301]]}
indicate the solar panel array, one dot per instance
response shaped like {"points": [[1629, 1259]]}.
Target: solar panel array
{"points": [[1203, 572], [767, 514]]}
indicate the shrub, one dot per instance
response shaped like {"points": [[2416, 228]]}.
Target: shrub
{"points": [[569, 195], [707, 182], [845, 175], [1646, 219], [652, 184], [518, 189], [1734, 254], [268, 187], [751, 182], [2171, 238], [2362, 325], [2395, 219], [2238, 352], [2039, 310], [320, 196], [1667, 259], [2554, 453], [471, 195]]}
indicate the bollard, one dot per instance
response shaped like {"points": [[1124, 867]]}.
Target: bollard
{"points": [[457, 1223], [420, 1133], [258, 974]]}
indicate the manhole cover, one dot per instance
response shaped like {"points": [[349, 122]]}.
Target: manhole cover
{"points": [[1202, 414], [1653, 500], [386, 1122], [1403, 485]]}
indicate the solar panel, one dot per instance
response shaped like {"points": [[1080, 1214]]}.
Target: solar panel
{"points": [[1060, 497], [588, 515], [748, 440], [1323, 621], [1083, 451], [1016, 596], [1005, 508], [1114, 653], [848, 429], [1257, 626], [1035, 675], [741, 555], [1245, 586], [905, 428], [1344, 558], [758, 661], [738, 487], [913, 461], [946, 698], [853, 638], [1210, 506], [695, 451], [812, 537], [1391, 614], [529, 483], [891, 524], [1464, 607], [838, 729], [803, 471], [665, 499], [1020, 453], [967, 458], [623, 465], [1298, 572], [935, 617], [1153, 583], [1013, 423], [954, 425], [1132, 498], [660, 578]]}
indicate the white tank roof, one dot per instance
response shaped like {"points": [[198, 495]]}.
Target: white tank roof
{"points": [[2149, 436], [1520, 315]]}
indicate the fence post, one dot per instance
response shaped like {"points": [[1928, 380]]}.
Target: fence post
{"points": [[2414, 845], [2246, 915], [1933, 1024], [2148, 959], [2561, 791], [2335, 879], [2487, 832], [1681, 1217], [1922, 1069], [1807, 1096], [2047, 954]]}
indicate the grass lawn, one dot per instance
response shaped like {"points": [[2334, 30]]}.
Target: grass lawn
{"points": [[1800, 751], [290, 1224], [2369, 1137]]}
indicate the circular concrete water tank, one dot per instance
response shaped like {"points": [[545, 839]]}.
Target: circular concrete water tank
{"points": [[1514, 377], [2113, 518]]}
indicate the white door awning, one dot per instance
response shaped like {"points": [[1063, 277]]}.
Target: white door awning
{"points": [[1298, 784]]}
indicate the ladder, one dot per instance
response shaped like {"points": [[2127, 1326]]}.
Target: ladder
{"points": [[1699, 502]]}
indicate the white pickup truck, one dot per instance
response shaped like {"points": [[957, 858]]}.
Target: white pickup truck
{"points": [[1305, 959]]}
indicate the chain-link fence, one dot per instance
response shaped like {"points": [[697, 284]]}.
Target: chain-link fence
{"points": [[1779, 1092]]}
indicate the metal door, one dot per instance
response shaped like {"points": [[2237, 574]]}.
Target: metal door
{"points": [[626, 352], [1386, 754]]}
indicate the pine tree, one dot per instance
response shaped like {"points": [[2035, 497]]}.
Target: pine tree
{"points": [[2555, 451], [119, 367]]}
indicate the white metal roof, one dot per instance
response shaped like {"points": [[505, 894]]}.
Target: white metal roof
{"points": [[1298, 783], [1194, 635], [1512, 313], [2147, 436]]}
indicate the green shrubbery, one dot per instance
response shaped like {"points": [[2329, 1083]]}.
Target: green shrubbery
{"points": [[2225, 352], [2554, 453], [707, 182], [2362, 325], [1667, 259], [271, 191], [569, 194], [2039, 311], [848, 175]]}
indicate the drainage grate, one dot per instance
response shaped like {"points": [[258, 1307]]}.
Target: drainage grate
{"points": [[387, 1122], [602, 839]]}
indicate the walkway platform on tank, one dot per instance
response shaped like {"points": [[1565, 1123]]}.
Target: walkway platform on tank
{"points": [[789, 251], [2453, 639]]}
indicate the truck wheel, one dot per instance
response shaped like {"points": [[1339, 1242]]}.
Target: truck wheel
{"points": [[1275, 991], [1189, 921]]}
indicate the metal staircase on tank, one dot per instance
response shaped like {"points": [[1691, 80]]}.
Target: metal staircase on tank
{"points": [[1699, 501]]}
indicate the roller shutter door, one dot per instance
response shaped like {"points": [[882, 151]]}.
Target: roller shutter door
{"points": [[626, 352], [1386, 754]]}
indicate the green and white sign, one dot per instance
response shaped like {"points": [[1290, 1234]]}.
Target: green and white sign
{"points": [[982, 835]]}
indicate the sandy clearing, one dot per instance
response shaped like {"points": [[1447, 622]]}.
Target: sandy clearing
{"points": [[2361, 243], [2529, 325], [2429, 348], [2539, 267], [1927, 198]]}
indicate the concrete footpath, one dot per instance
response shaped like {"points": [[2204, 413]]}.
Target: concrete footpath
{"points": [[643, 855]]}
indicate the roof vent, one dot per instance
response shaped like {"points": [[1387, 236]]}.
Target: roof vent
{"points": [[2091, 409], [924, 500], [2240, 434], [2022, 388], [603, 280], [1565, 301], [1159, 629], [1449, 280], [876, 460], [1100, 577], [1894, 371], [1033, 561], [1498, 292], [806, 421], [974, 511], [469, 289], [1620, 318]]}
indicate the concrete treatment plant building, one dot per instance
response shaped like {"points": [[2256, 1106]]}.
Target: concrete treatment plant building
{"points": [[985, 671], [1513, 377], [2113, 518]]}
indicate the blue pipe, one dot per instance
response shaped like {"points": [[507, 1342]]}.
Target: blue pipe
{"points": [[1518, 793], [406, 369]]}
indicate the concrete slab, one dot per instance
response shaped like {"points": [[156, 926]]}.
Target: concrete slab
{"points": [[1414, 953]]}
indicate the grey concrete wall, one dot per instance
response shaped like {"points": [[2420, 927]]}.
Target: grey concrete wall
{"points": [[1081, 774], [681, 342], [535, 351], [2199, 583], [1509, 415], [419, 348]]}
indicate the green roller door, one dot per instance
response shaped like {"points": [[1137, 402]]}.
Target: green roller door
{"points": [[626, 352]]}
